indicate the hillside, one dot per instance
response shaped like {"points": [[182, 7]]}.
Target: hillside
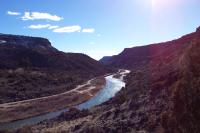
{"points": [[162, 93], [30, 67]]}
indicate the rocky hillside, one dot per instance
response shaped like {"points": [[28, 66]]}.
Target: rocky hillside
{"points": [[30, 67], [162, 94]]}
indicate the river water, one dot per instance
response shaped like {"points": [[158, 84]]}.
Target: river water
{"points": [[112, 86]]}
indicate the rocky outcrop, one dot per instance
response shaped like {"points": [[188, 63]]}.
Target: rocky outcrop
{"points": [[25, 41], [198, 29]]}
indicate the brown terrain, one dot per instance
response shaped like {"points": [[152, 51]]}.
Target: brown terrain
{"points": [[31, 68], [33, 107], [162, 94]]}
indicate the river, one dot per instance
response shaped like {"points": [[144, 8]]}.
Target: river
{"points": [[113, 85]]}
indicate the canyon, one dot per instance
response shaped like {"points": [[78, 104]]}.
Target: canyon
{"points": [[161, 92]]}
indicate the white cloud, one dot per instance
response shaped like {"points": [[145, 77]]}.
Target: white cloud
{"points": [[58, 29], [68, 29], [43, 26], [13, 13], [88, 30], [39, 26], [39, 15]]}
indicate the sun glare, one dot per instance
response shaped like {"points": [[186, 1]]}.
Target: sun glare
{"points": [[153, 2], [162, 4]]}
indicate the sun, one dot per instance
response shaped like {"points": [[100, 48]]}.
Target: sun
{"points": [[163, 4], [153, 3], [159, 3]]}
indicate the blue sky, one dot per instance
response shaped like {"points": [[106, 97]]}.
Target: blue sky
{"points": [[100, 27]]}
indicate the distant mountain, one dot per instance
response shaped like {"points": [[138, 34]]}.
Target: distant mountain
{"points": [[105, 59], [30, 67]]}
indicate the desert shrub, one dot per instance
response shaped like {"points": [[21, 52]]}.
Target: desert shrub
{"points": [[184, 116], [26, 129], [74, 113]]}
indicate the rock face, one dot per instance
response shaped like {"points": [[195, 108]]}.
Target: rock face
{"points": [[28, 42], [162, 93], [198, 29], [30, 67]]}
